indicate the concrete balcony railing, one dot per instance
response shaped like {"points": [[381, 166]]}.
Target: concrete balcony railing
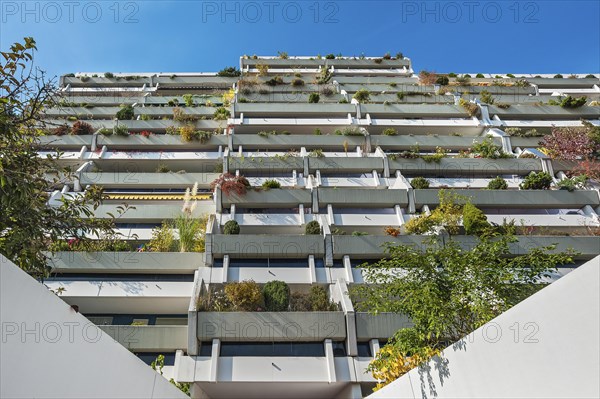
{"points": [[127, 262], [264, 246], [516, 198], [139, 125], [266, 164], [545, 112], [437, 111], [379, 326], [285, 142], [66, 142], [466, 167], [277, 198], [135, 180], [426, 143], [357, 197], [148, 212], [162, 142], [271, 326], [149, 338], [297, 63], [275, 110], [345, 164]]}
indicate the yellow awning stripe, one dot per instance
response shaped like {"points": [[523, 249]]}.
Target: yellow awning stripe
{"points": [[166, 197]]}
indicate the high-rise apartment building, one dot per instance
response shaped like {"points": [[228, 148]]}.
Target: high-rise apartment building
{"points": [[351, 148]]}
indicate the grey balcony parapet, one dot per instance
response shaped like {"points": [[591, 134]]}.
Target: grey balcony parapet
{"points": [[428, 143], [360, 197], [564, 83], [525, 142], [564, 165], [356, 63], [274, 164], [264, 245], [139, 125], [335, 142], [278, 110], [545, 112], [465, 167], [269, 198], [374, 246], [379, 326], [149, 212], [436, 111], [67, 142], [345, 164], [515, 198], [148, 338], [135, 180], [127, 262], [271, 326]]}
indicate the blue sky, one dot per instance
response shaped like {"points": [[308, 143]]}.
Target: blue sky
{"points": [[189, 36]]}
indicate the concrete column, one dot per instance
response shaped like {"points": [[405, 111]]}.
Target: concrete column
{"points": [[330, 361], [214, 360]]}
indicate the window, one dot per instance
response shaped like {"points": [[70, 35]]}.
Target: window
{"points": [[119, 277], [291, 349], [339, 349], [269, 262], [149, 357], [364, 349]]}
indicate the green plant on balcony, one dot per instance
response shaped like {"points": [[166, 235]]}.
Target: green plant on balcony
{"points": [[390, 131], [471, 108], [442, 80], [163, 238], [558, 76], [436, 157], [447, 215], [125, 113], [188, 99], [349, 131], [486, 97], [189, 227], [572, 102], [277, 296], [314, 98], [419, 183], [221, 114], [518, 132], [330, 57], [312, 228], [180, 115], [497, 183], [316, 153], [362, 96], [245, 296], [319, 300], [297, 82], [229, 72], [480, 76], [231, 227], [109, 75], [282, 55], [573, 183], [274, 81], [263, 69], [487, 149], [81, 128], [474, 220], [270, 183], [536, 181]]}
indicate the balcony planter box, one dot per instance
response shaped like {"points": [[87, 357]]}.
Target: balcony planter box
{"points": [[102, 81], [379, 326], [525, 142], [277, 197], [66, 142], [296, 141], [148, 338], [563, 165], [403, 142], [361, 197], [164, 142], [147, 180], [346, 164], [403, 111], [127, 262], [206, 82], [544, 112], [271, 326], [264, 246], [516, 198], [466, 166], [266, 164], [152, 125], [149, 212], [273, 110], [372, 246], [583, 83]]}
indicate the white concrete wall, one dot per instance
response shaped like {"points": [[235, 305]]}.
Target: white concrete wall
{"points": [[548, 346], [50, 351]]}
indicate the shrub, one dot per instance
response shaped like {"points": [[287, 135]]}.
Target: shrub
{"points": [[486, 97], [327, 91], [558, 76], [80, 128], [442, 80], [162, 168], [229, 72], [244, 295], [487, 149], [419, 225], [570, 143], [271, 184], [231, 183], [62, 130], [277, 296], [471, 108], [299, 302], [330, 57], [392, 231], [314, 98], [125, 113], [319, 300], [573, 183], [312, 228], [362, 96], [474, 220], [572, 102], [283, 55], [419, 183], [231, 228], [427, 78], [390, 131], [263, 69], [316, 153], [109, 75], [479, 76], [221, 114], [497, 183], [163, 238], [297, 82], [274, 81], [121, 130], [536, 181]]}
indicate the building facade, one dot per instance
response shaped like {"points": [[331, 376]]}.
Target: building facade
{"points": [[336, 141]]}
